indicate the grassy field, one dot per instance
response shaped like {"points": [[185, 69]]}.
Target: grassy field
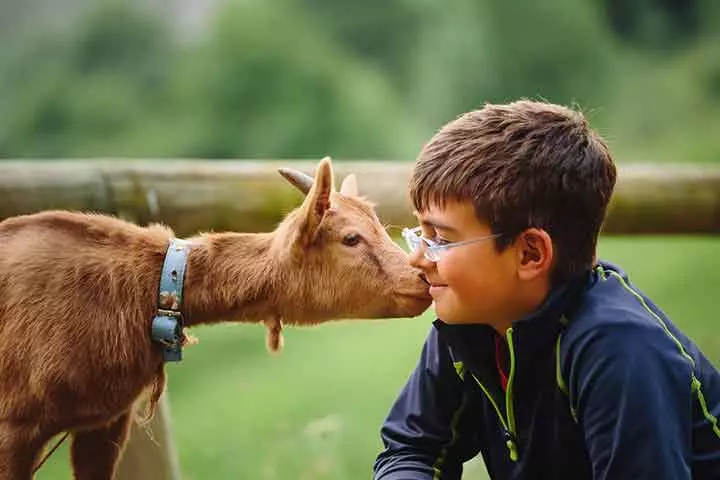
{"points": [[314, 412]]}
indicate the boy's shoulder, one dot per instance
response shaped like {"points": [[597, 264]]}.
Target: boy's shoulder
{"points": [[612, 310]]}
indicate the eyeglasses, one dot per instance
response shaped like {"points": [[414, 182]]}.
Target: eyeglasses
{"points": [[434, 250]]}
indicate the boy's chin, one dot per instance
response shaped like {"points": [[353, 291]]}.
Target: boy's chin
{"points": [[453, 316], [447, 315]]}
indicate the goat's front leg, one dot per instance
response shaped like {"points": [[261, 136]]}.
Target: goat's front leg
{"points": [[95, 453], [19, 451]]}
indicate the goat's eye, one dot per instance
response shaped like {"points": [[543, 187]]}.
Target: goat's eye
{"points": [[351, 239]]}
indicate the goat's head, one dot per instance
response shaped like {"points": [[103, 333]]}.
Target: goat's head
{"points": [[346, 263]]}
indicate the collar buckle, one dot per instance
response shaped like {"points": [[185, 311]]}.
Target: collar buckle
{"points": [[167, 330]]}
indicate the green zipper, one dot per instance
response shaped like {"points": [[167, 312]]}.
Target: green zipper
{"points": [[509, 423], [509, 408]]}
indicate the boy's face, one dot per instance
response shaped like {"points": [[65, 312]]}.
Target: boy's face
{"points": [[473, 283]]}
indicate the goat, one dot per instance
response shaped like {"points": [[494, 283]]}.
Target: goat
{"points": [[79, 292]]}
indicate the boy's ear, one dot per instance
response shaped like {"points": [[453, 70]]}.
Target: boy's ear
{"points": [[535, 253], [317, 202]]}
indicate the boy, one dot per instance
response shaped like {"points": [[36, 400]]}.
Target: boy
{"points": [[548, 363]]}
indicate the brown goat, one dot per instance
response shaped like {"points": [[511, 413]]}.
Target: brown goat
{"points": [[78, 293]]}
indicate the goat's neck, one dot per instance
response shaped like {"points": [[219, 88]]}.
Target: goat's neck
{"points": [[228, 279]]}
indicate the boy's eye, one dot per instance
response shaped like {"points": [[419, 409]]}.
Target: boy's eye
{"points": [[440, 241], [427, 233]]}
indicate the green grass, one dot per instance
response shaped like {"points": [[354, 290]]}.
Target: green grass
{"points": [[314, 411]]}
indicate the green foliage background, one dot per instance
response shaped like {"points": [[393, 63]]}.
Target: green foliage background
{"points": [[305, 78]]}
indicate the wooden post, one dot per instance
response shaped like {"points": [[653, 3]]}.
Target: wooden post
{"points": [[151, 455]]}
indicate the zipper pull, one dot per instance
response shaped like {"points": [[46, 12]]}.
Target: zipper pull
{"points": [[511, 446]]}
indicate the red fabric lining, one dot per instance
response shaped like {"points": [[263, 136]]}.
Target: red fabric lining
{"points": [[498, 362]]}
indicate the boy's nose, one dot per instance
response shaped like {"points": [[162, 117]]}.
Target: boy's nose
{"points": [[417, 259]]}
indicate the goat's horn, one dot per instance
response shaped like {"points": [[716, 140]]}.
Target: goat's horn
{"points": [[301, 181]]}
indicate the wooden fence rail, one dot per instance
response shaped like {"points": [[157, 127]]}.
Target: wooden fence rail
{"points": [[193, 196], [250, 196]]}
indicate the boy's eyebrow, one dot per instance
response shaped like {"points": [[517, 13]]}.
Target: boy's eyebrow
{"points": [[434, 224]]}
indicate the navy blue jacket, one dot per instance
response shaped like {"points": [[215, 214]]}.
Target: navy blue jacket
{"points": [[601, 385]]}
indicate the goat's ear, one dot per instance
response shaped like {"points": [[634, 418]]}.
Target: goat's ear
{"points": [[317, 201], [349, 186]]}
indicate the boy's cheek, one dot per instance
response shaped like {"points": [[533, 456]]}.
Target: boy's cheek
{"points": [[454, 269]]}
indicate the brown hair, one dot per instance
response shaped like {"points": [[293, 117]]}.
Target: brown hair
{"points": [[524, 164]]}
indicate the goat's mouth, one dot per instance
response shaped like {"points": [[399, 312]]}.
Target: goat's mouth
{"points": [[423, 294], [413, 303]]}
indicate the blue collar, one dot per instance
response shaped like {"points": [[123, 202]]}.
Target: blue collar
{"points": [[167, 326]]}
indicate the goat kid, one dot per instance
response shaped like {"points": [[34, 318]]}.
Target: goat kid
{"points": [[78, 293]]}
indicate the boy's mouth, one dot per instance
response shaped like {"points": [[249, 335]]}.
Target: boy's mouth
{"points": [[436, 288], [435, 283]]}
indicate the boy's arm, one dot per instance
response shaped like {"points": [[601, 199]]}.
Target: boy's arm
{"points": [[632, 389], [422, 435]]}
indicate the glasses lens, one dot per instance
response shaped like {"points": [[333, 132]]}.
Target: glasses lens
{"points": [[414, 239], [434, 253], [410, 239]]}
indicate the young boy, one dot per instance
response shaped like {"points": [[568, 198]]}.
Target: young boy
{"points": [[548, 363]]}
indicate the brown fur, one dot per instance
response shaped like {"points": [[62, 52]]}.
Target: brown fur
{"points": [[78, 293]]}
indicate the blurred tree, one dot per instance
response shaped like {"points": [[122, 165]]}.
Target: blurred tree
{"points": [[657, 24], [498, 51], [117, 87], [86, 94], [384, 33], [121, 40], [270, 83]]}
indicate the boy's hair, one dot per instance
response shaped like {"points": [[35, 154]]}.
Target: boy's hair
{"points": [[524, 164]]}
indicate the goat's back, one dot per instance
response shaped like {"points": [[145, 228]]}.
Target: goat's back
{"points": [[77, 295]]}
